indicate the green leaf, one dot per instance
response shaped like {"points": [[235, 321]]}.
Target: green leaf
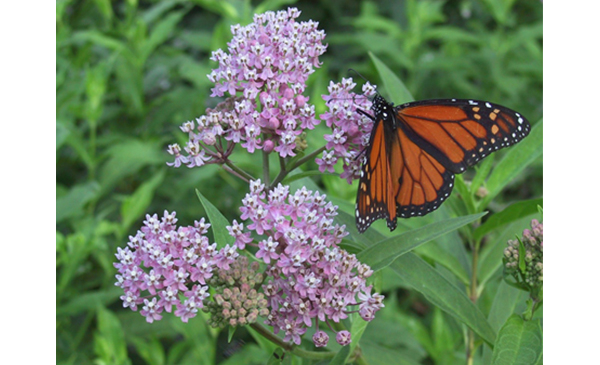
{"points": [[482, 170], [443, 338], [89, 300], [465, 194], [341, 357], [357, 329], [500, 9], [385, 252], [100, 39], [109, 341], [127, 158], [344, 218], [230, 333], [194, 72], [96, 79], [218, 222], [158, 11], [516, 159], [266, 345], [505, 302], [224, 8], [105, 9], [434, 252], [393, 85], [510, 214], [376, 354], [266, 5], [522, 263], [249, 354], [442, 293], [72, 204], [202, 343], [519, 342], [164, 29], [134, 206], [150, 350]]}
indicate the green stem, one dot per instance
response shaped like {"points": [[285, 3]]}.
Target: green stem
{"points": [[285, 170], [473, 297], [266, 178], [282, 173], [310, 156], [535, 303], [298, 351], [238, 172]]}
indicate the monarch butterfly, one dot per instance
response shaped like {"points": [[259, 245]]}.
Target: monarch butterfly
{"points": [[416, 148]]}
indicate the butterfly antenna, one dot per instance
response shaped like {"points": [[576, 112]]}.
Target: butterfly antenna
{"points": [[357, 73]]}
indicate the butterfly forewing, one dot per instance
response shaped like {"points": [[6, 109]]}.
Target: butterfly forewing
{"points": [[460, 132], [374, 198]]}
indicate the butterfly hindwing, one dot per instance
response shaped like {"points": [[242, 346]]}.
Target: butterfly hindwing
{"points": [[422, 182]]}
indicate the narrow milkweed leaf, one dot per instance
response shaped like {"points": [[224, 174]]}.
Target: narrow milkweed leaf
{"points": [[218, 222], [442, 293], [515, 160], [386, 251], [512, 213], [394, 86]]}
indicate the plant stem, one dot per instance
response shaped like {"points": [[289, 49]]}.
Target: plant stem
{"points": [[238, 172], [266, 178], [285, 170], [473, 297], [306, 158], [298, 351], [282, 173]]}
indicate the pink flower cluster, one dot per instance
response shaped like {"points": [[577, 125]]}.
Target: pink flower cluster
{"points": [[351, 130], [312, 278], [264, 71], [165, 266]]}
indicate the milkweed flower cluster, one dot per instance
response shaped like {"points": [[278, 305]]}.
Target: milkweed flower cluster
{"points": [[308, 277], [523, 259], [264, 72], [166, 268], [351, 130], [311, 278]]}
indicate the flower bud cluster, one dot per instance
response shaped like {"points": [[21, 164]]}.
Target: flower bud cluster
{"points": [[523, 260], [236, 301]]}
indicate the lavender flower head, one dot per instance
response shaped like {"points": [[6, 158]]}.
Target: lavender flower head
{"points": [[311, 278], [264, 73], [351, 130]]}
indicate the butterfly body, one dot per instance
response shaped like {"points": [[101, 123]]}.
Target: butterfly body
{"points": [[416, 148]]}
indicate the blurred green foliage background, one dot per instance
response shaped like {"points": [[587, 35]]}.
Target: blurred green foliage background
{"points": [[130, 72]]}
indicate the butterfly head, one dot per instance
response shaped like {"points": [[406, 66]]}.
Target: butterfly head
{"points": [[381, 108]]}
